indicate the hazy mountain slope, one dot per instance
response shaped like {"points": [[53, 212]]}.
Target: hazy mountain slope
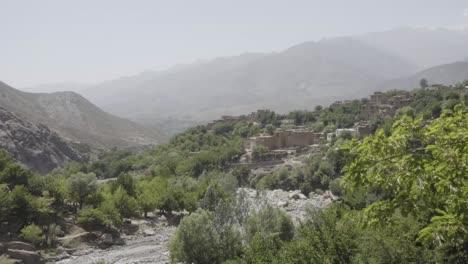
{"points": [[75, 118], [442, 74], [35, 146], [55, 87], [299, 77], [422, 47]]}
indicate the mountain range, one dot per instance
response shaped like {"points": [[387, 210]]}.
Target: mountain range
{"points": [[302, 76], [449, 73]]}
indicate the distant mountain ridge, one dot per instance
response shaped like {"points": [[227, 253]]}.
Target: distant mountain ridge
{"points": [[76, 119], [422, 47], [302, 76], [299, 77], [447, 74]]}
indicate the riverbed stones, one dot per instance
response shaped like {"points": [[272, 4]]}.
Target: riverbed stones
{"points": [[149, 232]]}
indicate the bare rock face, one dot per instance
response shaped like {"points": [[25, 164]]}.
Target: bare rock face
{"points": [[20, 245], [75, 118], [28, 257], [35, 146]]}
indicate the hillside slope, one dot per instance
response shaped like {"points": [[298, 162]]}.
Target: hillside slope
{"points": [[443, 74], [75, 118], [35, 146]]}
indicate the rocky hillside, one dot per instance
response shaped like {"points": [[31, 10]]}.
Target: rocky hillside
{"points": [[76, 119], [35, 146]]}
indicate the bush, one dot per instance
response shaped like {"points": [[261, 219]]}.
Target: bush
{"points": [[32, 233], [259, 153], [270, 222], [335, 187], [92, 218], [195, 240]]}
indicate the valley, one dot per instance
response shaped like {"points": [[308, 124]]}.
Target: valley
{"points": [[260, 173], [233, 132]]}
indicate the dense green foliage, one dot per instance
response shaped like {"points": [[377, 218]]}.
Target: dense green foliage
{"points": [[422, 169]]}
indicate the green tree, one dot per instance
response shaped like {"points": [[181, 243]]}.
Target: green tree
{"points": [[147, 196], [126, 181], [269, 129], [124, 203], [21, 203], [92, 218], [195, 240], [80, 185], [14, 174], [423, 83], [421, 170], [5, 203], [211, 198], [270, 221]]}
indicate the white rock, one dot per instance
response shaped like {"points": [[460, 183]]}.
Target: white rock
{"points": [[149, 232], [282, 204]]}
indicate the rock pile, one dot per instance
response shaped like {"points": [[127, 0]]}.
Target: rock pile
{"points": [[295, 203]]}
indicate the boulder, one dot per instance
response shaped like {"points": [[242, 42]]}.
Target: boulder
{"points": [[119, 242], [28, 257], [149, 232], [20, 245], [107, 239]]}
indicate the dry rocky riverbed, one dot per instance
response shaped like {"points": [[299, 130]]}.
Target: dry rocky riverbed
{"points": [[150, 244]]}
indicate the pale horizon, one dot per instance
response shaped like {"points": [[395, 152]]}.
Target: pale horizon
{"points": [[88, 42]]}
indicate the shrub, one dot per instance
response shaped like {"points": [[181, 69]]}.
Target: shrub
{"points": [[259, 153], [92, 218], [270, 222], [32, 233], [335, 187], [195, 240]]}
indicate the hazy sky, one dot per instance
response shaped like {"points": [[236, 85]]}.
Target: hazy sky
{"points": [[48, 41]]}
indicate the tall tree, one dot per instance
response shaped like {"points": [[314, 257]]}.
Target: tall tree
{"points": [[422, 169], [80, 185]]}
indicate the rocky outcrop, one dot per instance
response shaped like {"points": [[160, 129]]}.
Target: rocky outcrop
{"points": [[294, 203], [35, 145], [20, 245], [28, 257]]}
